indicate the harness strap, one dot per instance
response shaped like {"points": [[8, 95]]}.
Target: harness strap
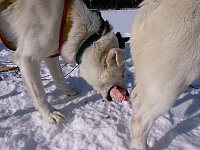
{"points": [[7, 43], [66, 24]]}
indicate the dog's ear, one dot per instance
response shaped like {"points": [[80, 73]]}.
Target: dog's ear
{"points": [[121, 40], [126, 39], [115, 56]]}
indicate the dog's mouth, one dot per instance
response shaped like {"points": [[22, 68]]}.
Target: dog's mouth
{"points": [[117, 93]]}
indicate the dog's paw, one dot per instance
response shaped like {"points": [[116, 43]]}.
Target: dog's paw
{"points": [[141, 146], [71, 92], [54, 117]]}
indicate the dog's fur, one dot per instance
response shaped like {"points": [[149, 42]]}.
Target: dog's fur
{"points": [[34, 26], [165, 47]]}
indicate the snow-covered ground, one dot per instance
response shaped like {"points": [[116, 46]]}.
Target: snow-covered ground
{"points": [[93, 123]]}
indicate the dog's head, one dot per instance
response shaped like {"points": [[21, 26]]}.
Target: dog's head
{"points": [[93, 45], [103, 65]]}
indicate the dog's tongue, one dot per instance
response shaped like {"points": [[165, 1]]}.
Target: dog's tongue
{"points": [[119, 94]]}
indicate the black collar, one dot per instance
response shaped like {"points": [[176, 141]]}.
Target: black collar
{"points": [[89, 41]]}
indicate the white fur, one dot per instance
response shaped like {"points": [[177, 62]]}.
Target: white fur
{"points": [[165, 47], [34, 27]]}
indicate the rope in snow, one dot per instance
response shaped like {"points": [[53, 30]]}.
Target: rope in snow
{"points": [[8, 68], [194, 86], [44, 77], [4, 69], [71, 70], [16, 70]]}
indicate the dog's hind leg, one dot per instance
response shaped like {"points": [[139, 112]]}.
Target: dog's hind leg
{"points": [[56, 72], [134, 100], [149, 110], [30, 70], [155, 98]]}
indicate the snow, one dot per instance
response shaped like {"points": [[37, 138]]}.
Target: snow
{"points": [[92, 123]]}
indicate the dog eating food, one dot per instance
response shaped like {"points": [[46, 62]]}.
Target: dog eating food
{"points": [[118, 94]]}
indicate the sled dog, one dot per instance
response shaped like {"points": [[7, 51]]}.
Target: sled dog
{"points": [[33, 29], [165, 48]]}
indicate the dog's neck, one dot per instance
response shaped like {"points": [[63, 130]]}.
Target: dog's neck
{"points": [[89, 41], [85, 24]]}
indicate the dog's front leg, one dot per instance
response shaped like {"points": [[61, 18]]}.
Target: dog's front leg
{"points": [[54, 67], [30, 70]]}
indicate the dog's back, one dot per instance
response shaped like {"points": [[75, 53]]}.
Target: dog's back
{"points": [[166, 37], [165, 46]]}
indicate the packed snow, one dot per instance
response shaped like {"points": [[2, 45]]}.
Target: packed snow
{"points": [[92, 122]]}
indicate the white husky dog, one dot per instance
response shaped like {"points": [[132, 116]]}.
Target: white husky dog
{"points": [[33, 27], [165, 47]]}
